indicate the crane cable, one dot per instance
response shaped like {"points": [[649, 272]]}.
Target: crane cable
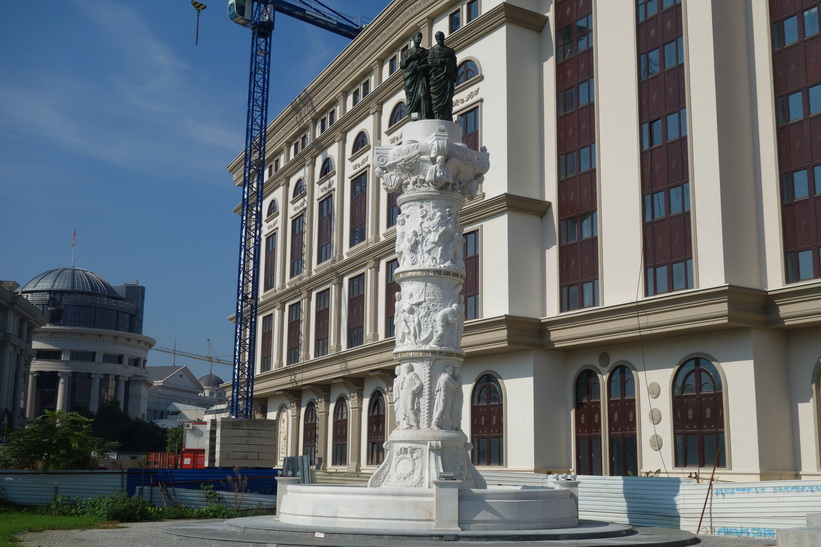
{"points": [[199, 6]]}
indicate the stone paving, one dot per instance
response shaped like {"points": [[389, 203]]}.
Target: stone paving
{"points": [[152, 534]]}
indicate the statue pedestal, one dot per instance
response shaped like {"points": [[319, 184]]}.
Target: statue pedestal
{"points": [[417, 459]]}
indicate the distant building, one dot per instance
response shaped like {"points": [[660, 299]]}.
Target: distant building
{"points": [[643, 263], [212, 387], [92, 348], [18, 319], [173, 386]]}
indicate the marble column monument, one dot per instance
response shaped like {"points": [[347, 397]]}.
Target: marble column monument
{"points": [[435, 174]]}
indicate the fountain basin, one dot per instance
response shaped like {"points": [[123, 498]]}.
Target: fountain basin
{"points": [[445, 506]]}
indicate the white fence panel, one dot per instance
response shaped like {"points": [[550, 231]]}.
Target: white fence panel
{"points": [[750, 509], [639, 501], [40, 487]]}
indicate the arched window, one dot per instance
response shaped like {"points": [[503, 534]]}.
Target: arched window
{"points": [[487, 422], [340, 433], [273, 208], [588, 424], [398, 113], [299, 187], [360, 142], [376, 429], [698, 415], [466, 71], [309, 434], [327, 167], [621, 413]]}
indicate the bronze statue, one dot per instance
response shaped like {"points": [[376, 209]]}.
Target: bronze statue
{"points": [[415, 65], [442, 78]]}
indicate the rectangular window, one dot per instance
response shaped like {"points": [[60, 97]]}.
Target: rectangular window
{"points": [[269, 271], [454, 21], [359, 209], [811, 22], [791, 30], [795, 102], [266, 343], [393, 209], [676, 200], [331, 117], [294, 333], [366, 88], [325, 230], [800, 184], [584, 36], [297, 245], [276, 165], [648, 64], [658, 205], [815, 99], [471, 287], [82, 356], [355, 96], [322, 322], [323, 124], [586, 93], [296, 148], [392, 65], [391, 289], [564, 43], [356, 311], [470, 127], [472, 10], [113, 359], [303, 142]]}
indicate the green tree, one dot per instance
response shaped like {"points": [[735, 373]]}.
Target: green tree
{"points": [[112, 424], [58, 439], [173, 440]]}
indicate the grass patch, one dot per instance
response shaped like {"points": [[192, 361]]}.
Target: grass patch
{"points": [[14, 520]]}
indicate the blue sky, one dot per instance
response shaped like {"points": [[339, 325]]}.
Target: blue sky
{"points": [[114, 123]]}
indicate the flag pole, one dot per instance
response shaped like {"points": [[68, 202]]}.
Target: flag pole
{"points": [[73, 249]]}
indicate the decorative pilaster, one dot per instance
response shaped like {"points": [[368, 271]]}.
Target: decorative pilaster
{"points": [[434, 173]]}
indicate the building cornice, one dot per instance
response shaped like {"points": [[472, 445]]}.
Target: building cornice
{"points": [[675, 314]]}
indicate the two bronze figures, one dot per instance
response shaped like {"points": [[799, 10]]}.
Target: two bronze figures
{"points": [[430, 77]]}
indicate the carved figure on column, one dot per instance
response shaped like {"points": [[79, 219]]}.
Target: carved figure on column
{"points": [[447, 327], [447, 407], [439, 176], [414, 63], [410, 386], [442, 236], [443, 72]]}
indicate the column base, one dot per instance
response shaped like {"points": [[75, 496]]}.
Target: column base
{"points": [[416, 458]]}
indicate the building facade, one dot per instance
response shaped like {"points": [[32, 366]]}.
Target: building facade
{"points": [[92, 348], [643, 279], [18, 319]]}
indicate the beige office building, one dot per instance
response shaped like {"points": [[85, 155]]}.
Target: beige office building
{"points": [[642, 260]]}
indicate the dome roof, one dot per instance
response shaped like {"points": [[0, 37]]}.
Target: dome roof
{"points": [[211, 380], [71, 280]]}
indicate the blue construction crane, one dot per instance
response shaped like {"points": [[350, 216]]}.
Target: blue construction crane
{"points": [[258, 15]]}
